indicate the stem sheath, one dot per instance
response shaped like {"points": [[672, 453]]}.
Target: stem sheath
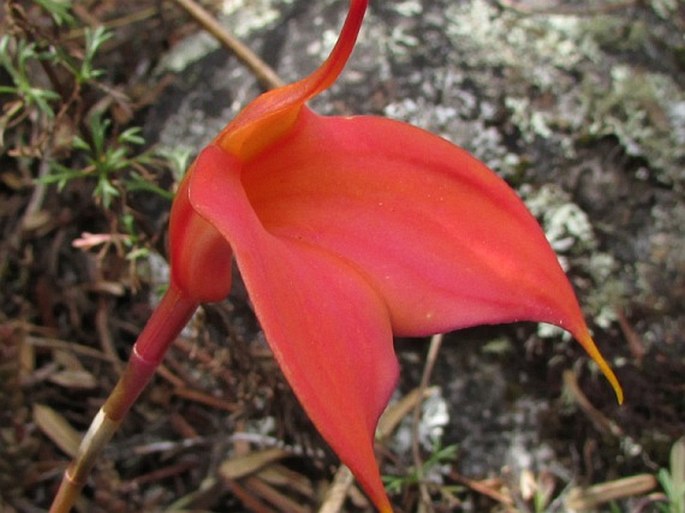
{"points": [[166, 322]]}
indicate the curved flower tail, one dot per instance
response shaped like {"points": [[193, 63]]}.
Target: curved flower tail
{"points": [[585, 339], [272, 114], [328, 72]]}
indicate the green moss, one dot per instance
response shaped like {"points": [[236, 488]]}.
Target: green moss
{"points": [[572, 236], [645, 112]]}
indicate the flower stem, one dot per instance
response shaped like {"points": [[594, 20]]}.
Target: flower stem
{"points": [[166, 322]]}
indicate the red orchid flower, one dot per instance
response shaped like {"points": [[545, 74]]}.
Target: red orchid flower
{"points": [[346, 230]]}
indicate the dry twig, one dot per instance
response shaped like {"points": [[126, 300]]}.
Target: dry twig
{"points": [[264, 73], [436, 342], [600, 421], [337, 492], [564, 10], [588, 499]]}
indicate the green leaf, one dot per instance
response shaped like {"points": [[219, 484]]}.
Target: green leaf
{"points": [[132, 136], [59, 10]]}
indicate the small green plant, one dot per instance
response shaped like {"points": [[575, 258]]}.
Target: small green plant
{"points": [[23, 97], [543, 492], [15, 57], [33, 96], [86, 71], [133, 242], [56, 96], [673, 480], [614, 507], [440, 456], [105, 159], [60, 10]]}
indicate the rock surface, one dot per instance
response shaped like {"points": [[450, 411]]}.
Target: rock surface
{"points": [[583, 112]]}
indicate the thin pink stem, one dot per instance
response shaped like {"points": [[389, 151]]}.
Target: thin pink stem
{"points": [[166, 322], [272, 113], [329, 71]]}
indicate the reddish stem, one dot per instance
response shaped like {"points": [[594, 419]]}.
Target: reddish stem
{"points": [[166, 322]]}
